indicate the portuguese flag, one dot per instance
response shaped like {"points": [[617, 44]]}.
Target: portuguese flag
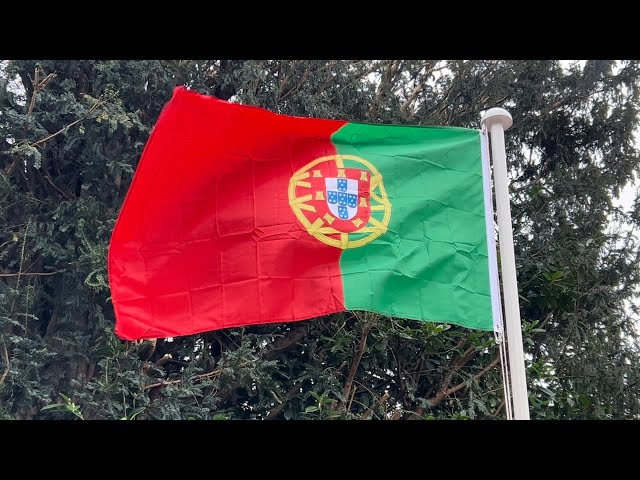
{"points": [[239, 216]]}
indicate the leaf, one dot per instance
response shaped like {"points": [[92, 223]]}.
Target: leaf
{"points": [[311, 409], [547, 391], [316, 396], [557, 275], [61, 406], [136, 412], [585, 401]]}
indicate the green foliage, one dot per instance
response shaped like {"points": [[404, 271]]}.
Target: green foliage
{"points": [[71, 133], [67, 406]]}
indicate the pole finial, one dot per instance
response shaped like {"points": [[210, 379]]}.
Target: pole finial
{"points": [[497, 115]]}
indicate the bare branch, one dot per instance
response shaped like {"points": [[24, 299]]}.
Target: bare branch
{"points": [[356, 360], [5, 354], [36, 87], [445, 392], [283, 403], [67, 127], [23, 274], [215, 373]]}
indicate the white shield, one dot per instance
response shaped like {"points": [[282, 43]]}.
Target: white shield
{"points": [[342, 197]]}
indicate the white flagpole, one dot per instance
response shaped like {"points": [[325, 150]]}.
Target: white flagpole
{"points": [[497, 120]]}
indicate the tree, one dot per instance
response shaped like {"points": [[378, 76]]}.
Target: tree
{"points": [[71, 133]]}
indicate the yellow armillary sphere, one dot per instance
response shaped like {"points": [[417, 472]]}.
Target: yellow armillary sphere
{"points": [[340, 200]]}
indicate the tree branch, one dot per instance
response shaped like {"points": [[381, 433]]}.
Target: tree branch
{"points": [[67, 127], [285, 342], [5, 354], [36, 87], [446, 380], [276, 411], [19, 275], [419, 88], [23, 274], [215, 373], [445, 392], [356, 360]]}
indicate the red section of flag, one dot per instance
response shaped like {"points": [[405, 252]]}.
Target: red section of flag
{"points": [[206, 238]]}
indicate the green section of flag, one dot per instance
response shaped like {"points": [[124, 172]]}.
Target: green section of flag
{"points": [[432, 262]]}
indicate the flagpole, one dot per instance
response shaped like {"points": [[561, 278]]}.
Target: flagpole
{"points": [[497, 120]]}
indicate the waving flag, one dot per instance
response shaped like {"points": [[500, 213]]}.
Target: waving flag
{"points": [[240, 216]]}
